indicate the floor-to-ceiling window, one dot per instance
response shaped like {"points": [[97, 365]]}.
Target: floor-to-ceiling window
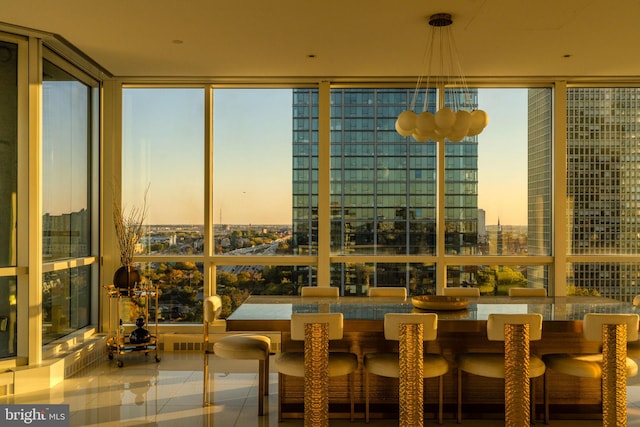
{"points": [[384, 192], [68, 128], [498, 189], [8, 195], [260, 153], [163, 158], [246, 216], [387, 225]]}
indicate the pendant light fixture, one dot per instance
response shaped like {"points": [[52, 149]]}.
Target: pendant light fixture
{"points": [[453, 122]]}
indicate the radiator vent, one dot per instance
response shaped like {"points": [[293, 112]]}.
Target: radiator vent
{"points": [[187, 346], [85, 357]]}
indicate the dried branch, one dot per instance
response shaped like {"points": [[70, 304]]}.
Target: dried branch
{"points": [[129, 227]]}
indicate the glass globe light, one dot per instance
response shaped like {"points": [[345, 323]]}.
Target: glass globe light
{"points": [[463, 120], [445, 118], [407, 120], [425, 122], [479, 119], [456, 136], [401, 131], [419, 137]]}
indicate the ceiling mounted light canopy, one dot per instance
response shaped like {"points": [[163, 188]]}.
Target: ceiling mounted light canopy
{"points": [[453, 123]]}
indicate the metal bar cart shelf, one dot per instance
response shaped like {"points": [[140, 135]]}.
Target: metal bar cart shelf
{"points": [[119, 343]]}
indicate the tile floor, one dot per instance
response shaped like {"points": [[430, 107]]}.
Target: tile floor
{"points": [[169, 393]]}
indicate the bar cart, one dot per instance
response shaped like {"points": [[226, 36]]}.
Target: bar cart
{"points": [[140, 340]]}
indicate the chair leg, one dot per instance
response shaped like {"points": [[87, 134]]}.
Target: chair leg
{"points": [[459, 396], [266, 376], [261, 390], [440, 397], [280, 391], [366, 396], [205, 380], [545, 387], [205, 364], [532, 405], [352, 387]]}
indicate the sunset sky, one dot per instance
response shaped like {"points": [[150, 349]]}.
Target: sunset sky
{"points": [[163, 134]]}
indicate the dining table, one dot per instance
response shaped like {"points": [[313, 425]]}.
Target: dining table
{"points": [[461, 328]]}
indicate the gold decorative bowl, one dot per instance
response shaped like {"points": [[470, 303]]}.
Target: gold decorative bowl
{"points": [[439, 302]]}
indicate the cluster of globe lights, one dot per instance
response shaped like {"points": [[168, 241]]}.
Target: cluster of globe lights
{"points": [[445, 123]]}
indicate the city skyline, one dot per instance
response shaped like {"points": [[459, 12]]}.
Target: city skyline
{"points": [[252, 155]]}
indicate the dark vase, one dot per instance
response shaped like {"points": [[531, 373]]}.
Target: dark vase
{"points": [[140, 335], [125, 278]]}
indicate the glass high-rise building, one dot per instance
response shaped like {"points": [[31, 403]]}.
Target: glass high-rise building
{"points": [[383, 186], [603, 187], [539, 181]]}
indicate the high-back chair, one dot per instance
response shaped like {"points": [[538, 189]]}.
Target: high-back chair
{"points": [[240, 347], [516, 365], [461, 292], [633, 347], [527, 292], [388, 291], [410, 364], [316, 364], [612, 366], [315, 291]]}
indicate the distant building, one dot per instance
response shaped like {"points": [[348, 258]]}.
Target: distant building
{"points": [[602, 186], [383, 187], [540, 181], [146, 241], [482, 224], [66, 235], [500, 239]]}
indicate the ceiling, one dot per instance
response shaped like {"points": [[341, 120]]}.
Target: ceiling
{"points": [[340, 38]]}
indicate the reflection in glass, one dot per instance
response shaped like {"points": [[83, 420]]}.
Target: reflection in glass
{"points": [[419, 279], [382, 184], [66, 142], [620, 281], [181, 286], [8, 312], [8, 152], [65, 165], [461, 182], [65, 302], [305, 172], [496, 279]]}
